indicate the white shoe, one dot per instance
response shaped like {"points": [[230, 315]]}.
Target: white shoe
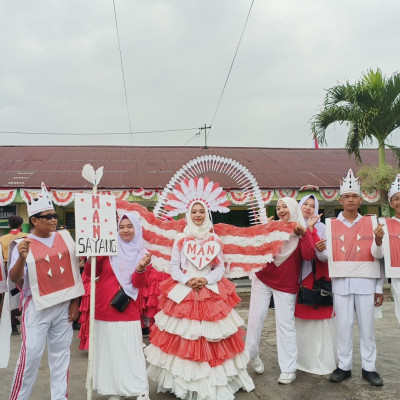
{"points": [[257, 364], [287, 377], [143, 397]]}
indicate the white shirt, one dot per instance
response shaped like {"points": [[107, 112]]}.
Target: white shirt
{"points": [[344, 286]]}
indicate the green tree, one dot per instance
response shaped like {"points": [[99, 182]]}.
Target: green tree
{"points": [[371, 109]]}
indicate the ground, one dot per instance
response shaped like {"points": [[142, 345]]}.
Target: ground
{"points": [[306, 386]]}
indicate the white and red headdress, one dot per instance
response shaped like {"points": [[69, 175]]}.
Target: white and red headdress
{"points": [[41, 203], [395, 188], [193, 190], [350, 184]]}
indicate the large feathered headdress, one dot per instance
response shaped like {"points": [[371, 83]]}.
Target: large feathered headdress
{"points": [[197, 189]]}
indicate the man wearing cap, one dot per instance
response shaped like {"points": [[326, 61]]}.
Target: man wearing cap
{"points": [[354, 244], [15, 224], [44, 266]]}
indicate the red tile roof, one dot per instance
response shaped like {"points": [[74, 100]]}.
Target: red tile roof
{"points": [[152, 167]]}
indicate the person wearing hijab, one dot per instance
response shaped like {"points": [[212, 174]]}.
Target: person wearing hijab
{"points": [[315, 326], [197, 346], [280, 278], [119, 367]]}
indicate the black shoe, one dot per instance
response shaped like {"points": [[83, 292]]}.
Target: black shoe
{"points": [[339, 375], [146, 332], [372, 377], [14, 330]]}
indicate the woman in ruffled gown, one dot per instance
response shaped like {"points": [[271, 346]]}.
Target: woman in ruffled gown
{"points": [[197, 346]]}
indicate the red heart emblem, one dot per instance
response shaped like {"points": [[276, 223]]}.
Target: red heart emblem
{"points": [[108, 204], [111, 233], [84, 218], [82, 200], [105, 220], [82, 230], [201, 255]]}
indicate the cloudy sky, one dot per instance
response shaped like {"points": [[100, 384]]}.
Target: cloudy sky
{"points": [[60, 68]]}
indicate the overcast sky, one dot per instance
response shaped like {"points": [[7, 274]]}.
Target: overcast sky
{"points": [[60, 68]]}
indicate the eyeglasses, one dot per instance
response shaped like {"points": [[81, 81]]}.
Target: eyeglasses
{"points": [[48, 216]]}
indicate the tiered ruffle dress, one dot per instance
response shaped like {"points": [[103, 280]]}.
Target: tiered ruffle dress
{"points": [[197, 347]]}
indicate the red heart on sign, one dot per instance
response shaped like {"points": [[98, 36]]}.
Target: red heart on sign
{"points": [[82, 200], [82, 230], [84, 218], [108, 204], [105, 220], [111, 233], [201, 255]]}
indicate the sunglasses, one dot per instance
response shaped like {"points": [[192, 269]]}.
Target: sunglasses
{"points": [[48, 216]]}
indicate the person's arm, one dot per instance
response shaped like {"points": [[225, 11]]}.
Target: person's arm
{"points": [[175, 266], [307, 246], [217, 272], [73, 310], [139, 278], [18, 261], [377, 248]]}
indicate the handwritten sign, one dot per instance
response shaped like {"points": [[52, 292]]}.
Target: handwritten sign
{"points": [[201, 255], [95, 225]]}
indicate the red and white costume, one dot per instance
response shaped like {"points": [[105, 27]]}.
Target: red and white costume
{"points": [[197, 347], [5, 326], [357, 254], [51, 280], [281, 280]]}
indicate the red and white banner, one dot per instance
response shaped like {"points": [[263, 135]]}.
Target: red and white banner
{"points": [[267, 196], [246, 250], [7, 196], [309, 187], [349, 248], [391, 246], [62, 198], [286, 193], [329, 194], [54, 275], [238, 198], [371, 197]]}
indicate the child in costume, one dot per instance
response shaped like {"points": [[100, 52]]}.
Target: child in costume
{"points": [[197, 347], [44, 266]]}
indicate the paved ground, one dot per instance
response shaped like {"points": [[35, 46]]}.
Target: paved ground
{"points": [[305, 387]]}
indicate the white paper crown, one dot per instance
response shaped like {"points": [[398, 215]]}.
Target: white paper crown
{"points": [[350, 184], [395, 188], [198, 189], [41, 203]]}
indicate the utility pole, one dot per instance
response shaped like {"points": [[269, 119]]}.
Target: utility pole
{"points": [[204, 128]]}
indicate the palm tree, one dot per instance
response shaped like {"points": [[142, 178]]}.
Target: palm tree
{"points": [[371, 109]]}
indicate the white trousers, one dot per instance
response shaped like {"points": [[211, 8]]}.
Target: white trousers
{"points": [[37, 326], [284, 318], [362, 305], [396, 296]]}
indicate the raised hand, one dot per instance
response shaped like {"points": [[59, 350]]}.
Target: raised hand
{"points": [[23, 248], [312, 220], [299, 230], [321, 245], [144, 262], [378, 232]]}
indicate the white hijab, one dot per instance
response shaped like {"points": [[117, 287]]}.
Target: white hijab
{"points": [[129, 255], [319, 226], [199, 232], [290, 246]]}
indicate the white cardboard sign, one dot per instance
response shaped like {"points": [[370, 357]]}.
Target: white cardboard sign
{"points": [[95, 225]]}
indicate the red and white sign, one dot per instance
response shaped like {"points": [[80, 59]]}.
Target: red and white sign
{"points": [[349, 248], [54, 275], [201, 255], [95, 225], [391, 246]]}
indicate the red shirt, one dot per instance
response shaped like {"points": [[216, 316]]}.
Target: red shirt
{"points": [[106, 288], [285, 278]]}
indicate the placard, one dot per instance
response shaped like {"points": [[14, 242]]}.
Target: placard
{"points": [[95, 225]]}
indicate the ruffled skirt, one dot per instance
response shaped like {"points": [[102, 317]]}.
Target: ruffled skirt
{"points": [[197, 347]]}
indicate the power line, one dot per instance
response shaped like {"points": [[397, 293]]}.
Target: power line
{"points": [[122, 70], [96, 133], [230, 69], [197, 134]]}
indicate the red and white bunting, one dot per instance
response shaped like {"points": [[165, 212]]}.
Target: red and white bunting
{"points": [[28, 194], [147, 195], [286, 193], [7, 196], [61, 197], [370, 197], [118, 194], [238, 198], [329, 194], [267, 196], [137, 192], [309, 187]]}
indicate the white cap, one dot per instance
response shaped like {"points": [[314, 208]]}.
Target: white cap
{"points": [[350, 184], [395, 188], [41, 203]]}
